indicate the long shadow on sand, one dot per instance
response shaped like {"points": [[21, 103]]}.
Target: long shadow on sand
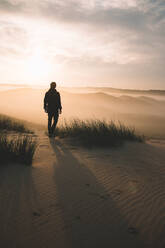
{"points": [[91, 217], [18, 206]]}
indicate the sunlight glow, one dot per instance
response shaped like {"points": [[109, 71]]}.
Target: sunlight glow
{"points": [[37, 66]]}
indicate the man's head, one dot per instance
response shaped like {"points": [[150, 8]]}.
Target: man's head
{"points": [[53, 85]]}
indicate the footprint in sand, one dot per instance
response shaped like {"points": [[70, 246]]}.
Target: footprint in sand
{"points": [[78, 217], [36, 214], [132, 230], [104, 197]]}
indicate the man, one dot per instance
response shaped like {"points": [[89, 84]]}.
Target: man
{"points": [[52, 106]]}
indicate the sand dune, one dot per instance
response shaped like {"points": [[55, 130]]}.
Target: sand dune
{"points": [[116, 90], [145, 113], [72, 197]]}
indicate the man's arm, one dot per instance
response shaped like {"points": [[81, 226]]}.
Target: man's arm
{"points": [[46, 102], [59, 102]]}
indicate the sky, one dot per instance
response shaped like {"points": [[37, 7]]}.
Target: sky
{"points": [[112, 43]]}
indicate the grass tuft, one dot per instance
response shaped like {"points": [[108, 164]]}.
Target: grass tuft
{"points": [[10, 124], [19, 150], [96, 133]]}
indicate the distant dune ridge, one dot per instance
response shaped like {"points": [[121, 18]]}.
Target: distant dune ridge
{"points": [[115, 90], [142, 109]]}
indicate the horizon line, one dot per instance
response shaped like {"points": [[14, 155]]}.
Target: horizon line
{"points": [[80, 87]]}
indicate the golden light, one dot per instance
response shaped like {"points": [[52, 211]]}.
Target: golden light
{"points": [[37, 67]]}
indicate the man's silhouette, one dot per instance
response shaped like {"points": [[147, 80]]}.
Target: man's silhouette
{"points": [[52, 106]]}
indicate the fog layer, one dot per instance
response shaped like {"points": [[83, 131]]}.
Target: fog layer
{"points": [[141, 110]]}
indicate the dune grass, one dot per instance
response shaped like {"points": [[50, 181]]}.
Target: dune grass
{"points": [[10, 124], [96, 133], [17, 150]]}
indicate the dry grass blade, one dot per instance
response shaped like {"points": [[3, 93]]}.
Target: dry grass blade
{"points": [[96, 133], [18, 150]]}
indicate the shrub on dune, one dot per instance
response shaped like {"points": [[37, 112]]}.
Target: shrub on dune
{"points": [[96, 133], [18, 150], [10, 124]]}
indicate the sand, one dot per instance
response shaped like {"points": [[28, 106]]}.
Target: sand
{"points": [[73, 197]]}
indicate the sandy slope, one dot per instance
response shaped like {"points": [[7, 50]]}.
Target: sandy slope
{"points": [[78, 198]]}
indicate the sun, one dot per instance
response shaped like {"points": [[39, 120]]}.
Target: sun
{"points": [[37, 66]]}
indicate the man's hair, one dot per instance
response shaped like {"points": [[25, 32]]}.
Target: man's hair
{"points": [[53, 85]]}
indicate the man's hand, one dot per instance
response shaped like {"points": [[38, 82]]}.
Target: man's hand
{"points": [[46, 110]]}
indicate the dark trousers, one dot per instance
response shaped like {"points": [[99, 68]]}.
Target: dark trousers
{"points": [[51, 126]]}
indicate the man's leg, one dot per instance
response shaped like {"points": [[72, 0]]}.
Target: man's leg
{"points": [[50, 116], [55, 120]]}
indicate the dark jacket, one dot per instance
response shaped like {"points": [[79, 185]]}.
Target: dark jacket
{"points": [[52, 101]]}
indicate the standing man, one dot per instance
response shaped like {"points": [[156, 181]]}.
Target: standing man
{"points": [[52, 106]]}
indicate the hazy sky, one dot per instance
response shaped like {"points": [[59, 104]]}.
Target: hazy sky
{"points": [[118, 43]]}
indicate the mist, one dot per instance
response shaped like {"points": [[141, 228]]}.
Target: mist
{"points": [[143, 110]]}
